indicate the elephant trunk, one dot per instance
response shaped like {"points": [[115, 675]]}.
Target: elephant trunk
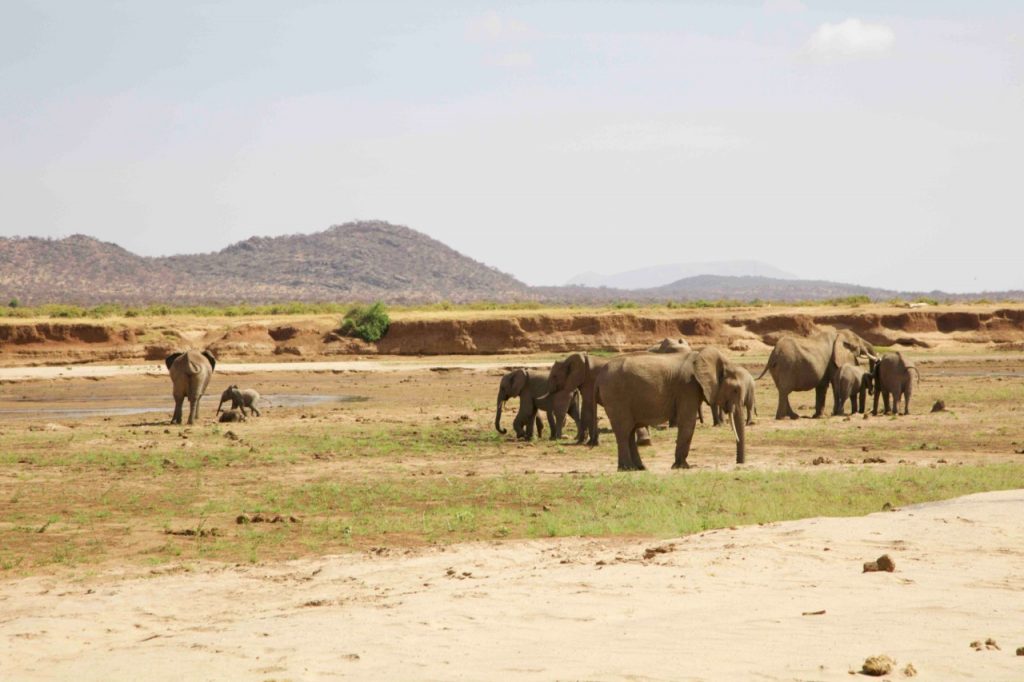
{"points": [[497, 415], [739, 429], [219, 405]]}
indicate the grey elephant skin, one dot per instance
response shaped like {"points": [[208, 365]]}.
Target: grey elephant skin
{"points": [[534, 395], [853, 383], [240, 399], [580, 371], [893, 379], [190, 375], [802, 364], [647, 389]]}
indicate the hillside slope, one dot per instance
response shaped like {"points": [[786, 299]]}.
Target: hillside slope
{"points": [[351, 262]]}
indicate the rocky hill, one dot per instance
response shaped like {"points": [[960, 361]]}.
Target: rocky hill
{"points": [[360, 261], [352, 262]]}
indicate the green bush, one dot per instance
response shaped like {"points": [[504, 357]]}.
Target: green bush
{"points": [[368, 323]]}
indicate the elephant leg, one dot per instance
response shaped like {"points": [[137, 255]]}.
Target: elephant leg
{"points": [[854, 402], [700, 416], [820, 392], [906, 398], [716, 415], [592, 427], [176, 417], [574, 412], [837, 403], [634, 452], [253, 410], [643, 436], [552, 425], [784, 409], [897, 396], [885, 399], [687, 421], [625, 440]]}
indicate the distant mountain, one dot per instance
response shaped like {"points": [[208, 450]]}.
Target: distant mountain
{"points": [[660, 275], [711, 287], [361, 261], [353, 262]]}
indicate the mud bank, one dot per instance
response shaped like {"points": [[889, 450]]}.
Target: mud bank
{"points": [[316, 338]]}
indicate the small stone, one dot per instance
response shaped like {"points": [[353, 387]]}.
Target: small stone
{"points": [[910, 670], [1020, 651], [876, 666], [939, 406], [882, 563]]}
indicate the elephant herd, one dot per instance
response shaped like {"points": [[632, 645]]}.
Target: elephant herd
{"points": [[190, 375], [670, 381], [667, 383]]}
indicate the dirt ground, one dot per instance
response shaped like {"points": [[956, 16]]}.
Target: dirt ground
{"points": [[101, 579]]}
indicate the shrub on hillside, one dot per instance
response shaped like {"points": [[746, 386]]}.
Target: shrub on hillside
{"points": [[368, 323]]}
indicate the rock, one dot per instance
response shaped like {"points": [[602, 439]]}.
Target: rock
{"points": [[820, 460], [1020, 651], [882, 563], [910, 670], [939, 406], [876, 666]]}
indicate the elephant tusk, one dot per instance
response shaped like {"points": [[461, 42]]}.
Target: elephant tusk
{"points": [[732, 422]]}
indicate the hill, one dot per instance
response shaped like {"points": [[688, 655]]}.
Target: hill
{"points": [[352, 262], [359, 261], [661, 275]]}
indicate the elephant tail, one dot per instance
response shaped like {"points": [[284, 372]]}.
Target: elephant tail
{"points": [[917, 372], [768, 365]]}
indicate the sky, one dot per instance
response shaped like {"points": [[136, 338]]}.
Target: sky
{"points": [[872, 142]]}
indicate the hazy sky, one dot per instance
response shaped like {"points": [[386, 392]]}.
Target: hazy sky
{"points": [[873, 142]]}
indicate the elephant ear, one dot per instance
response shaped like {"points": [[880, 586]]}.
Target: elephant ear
{"points": [[169, 360], [519, 378], [213, 360], [840, 354], [708, 369]]}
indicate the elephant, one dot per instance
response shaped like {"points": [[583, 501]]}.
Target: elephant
{"points": [[579, 371], [646, 389], [240, 399], [746, 398], [680, 346], [231, 416], [532, 391], [670, 346], [190, 374], [892, 377], [800, 364], [851, 383]]}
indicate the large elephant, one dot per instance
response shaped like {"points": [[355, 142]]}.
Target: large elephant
{"points": [[579, 371], [892, 378], [851, 383], [646, 389], [534, 395], [800, 364], [190, 375]]}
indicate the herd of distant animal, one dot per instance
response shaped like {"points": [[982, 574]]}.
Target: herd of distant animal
{"points": [[667, 383]]}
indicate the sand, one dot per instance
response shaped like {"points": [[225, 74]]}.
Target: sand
{"points": [[725, 605]]}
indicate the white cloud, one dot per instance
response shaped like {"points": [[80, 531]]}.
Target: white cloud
{"points": [[852, 38], [784, 6], [492, 27], [514, 60]]}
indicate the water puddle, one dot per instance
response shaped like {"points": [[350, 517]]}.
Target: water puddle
{"points": [[270, 401]]}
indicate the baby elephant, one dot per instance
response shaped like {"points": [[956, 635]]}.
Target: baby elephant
{"points": [[240, 399], [231, 416], [851, 383]]}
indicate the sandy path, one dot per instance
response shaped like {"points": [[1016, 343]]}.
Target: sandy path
{"points": [[725, 605], [158, 369]]}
